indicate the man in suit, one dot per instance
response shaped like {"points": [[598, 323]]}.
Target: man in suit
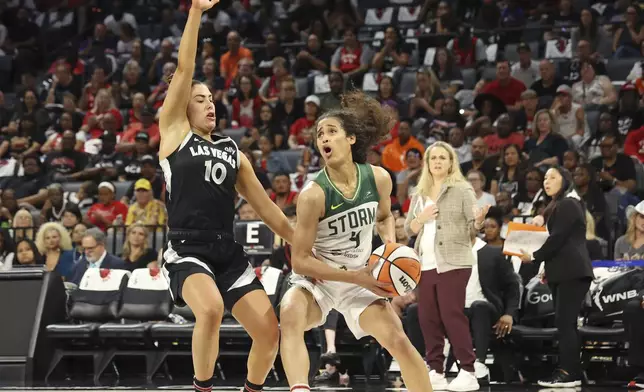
{"points": [[96, 255], [491, 299]]}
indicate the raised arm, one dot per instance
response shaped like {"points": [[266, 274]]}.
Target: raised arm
{"points": [[251, 189], [174, 118]]}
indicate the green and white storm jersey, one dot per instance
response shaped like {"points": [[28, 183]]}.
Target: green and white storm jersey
{"points": [[346, 230]]}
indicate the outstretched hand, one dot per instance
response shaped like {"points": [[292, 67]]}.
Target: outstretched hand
{"points": [[204, 5]]}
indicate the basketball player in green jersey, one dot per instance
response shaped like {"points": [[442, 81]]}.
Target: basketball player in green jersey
{"points": [[336, 215]]}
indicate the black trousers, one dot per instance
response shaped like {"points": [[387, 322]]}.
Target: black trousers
{"points": [[412, 328], [483, 315], [568, 297], [634, 324]]}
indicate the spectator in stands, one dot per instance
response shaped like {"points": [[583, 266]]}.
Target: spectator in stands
{"points": [[27, 140], [503, 136], [407, 179], [630, 246], [315, 57], [296, 138], [27, 253], [526, 70], [332, 99], [266, 125], [627, 39], [523, 118], [593, 245], [63, 82], [289, 108], [395, 53], [271, 161], [387, 93], [548, 83], [492, 231], [228, 62], [86, 196], [146, 210], [593, 89], [158, 94], [31, 108], [7, 250], [634, 144], [590, 30], [211, 79], [125, 45], [505, 87], [546, 147], [468, 50], [23, 225], [448, 119], [342, 15], [246, 212], [509, 174], [147, 129], [133, 83], [30, 187], [107, 211], [165, 55], [481, 162], [447, 72], [136, 253], [586, 186], [530, 193], [615, 169], [93, 123], [282, 194], [65, 123], [264, 59], [428, 98], [246, 104], [492, 297], [477, 179], [352, 58], [95, 256], [55, 204], [97, 83], [148, 171], [633, 321], [77, 234], [270, 89], [5, 215], [571, 159], [246, 68], [9, 204], [71, 216], [108, 164], [607, 125], [570, 116], [628, 114], [114, 20], [55, 244], [393, 155], [456, 138], [568, 269], [311, 161]]}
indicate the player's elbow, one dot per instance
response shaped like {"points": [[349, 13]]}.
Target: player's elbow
{"points": [[298, 264]]}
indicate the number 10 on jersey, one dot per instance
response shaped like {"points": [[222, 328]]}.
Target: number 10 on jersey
{"points": [[215, 172]]}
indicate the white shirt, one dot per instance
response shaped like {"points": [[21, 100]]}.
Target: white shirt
{"points": [[427, 244], [486, 199], [473, 291], [115, 25], [97, 263]]}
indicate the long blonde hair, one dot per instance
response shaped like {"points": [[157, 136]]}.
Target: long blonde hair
{"points": [[631, 231], [65, 239], [454, 174], [433, 81], [127, 248], [554, 127]]}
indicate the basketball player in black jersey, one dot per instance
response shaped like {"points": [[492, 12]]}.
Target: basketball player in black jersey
{"points": [[206, 268]]}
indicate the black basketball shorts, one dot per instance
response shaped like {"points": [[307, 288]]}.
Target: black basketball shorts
{"points": [[223, 260]]}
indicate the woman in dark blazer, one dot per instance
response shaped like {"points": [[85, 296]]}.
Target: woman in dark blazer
{"points": [[568, 270]]}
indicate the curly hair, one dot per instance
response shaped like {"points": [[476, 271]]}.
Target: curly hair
{"points": [[363, 117], [65, 239]]}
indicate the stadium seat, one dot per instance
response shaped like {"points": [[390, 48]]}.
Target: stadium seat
{"points": [[6, 67], [96, 300], [145, 299], [235, 133], [72, 186], [121, 188], [302, 87], [469, 78], [293, 157], [618, 69]]}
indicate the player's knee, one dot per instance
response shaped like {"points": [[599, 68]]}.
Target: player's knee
{"points": [[291, 316], [210, 312], [394, 340]]}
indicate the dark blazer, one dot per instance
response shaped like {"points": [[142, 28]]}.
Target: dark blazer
{"points": [[109, 262], [498, 281], [565, 253]]}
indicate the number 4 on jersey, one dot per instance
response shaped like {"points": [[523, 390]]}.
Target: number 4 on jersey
{"points": [[355, 237]]}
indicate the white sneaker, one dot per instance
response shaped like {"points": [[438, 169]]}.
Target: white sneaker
{"points": [[464, 382], [438, 380], [480, 370]]}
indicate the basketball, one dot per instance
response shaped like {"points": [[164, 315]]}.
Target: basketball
{"points": [[398, 265]]}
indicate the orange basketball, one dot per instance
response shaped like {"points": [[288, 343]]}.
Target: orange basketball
{"points": [[398, 265]]}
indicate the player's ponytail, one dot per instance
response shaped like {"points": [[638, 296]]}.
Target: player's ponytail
{"points": [[363, 117]]}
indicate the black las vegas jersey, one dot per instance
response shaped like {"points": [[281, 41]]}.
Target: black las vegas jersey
{"points": [[200, 179]]}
